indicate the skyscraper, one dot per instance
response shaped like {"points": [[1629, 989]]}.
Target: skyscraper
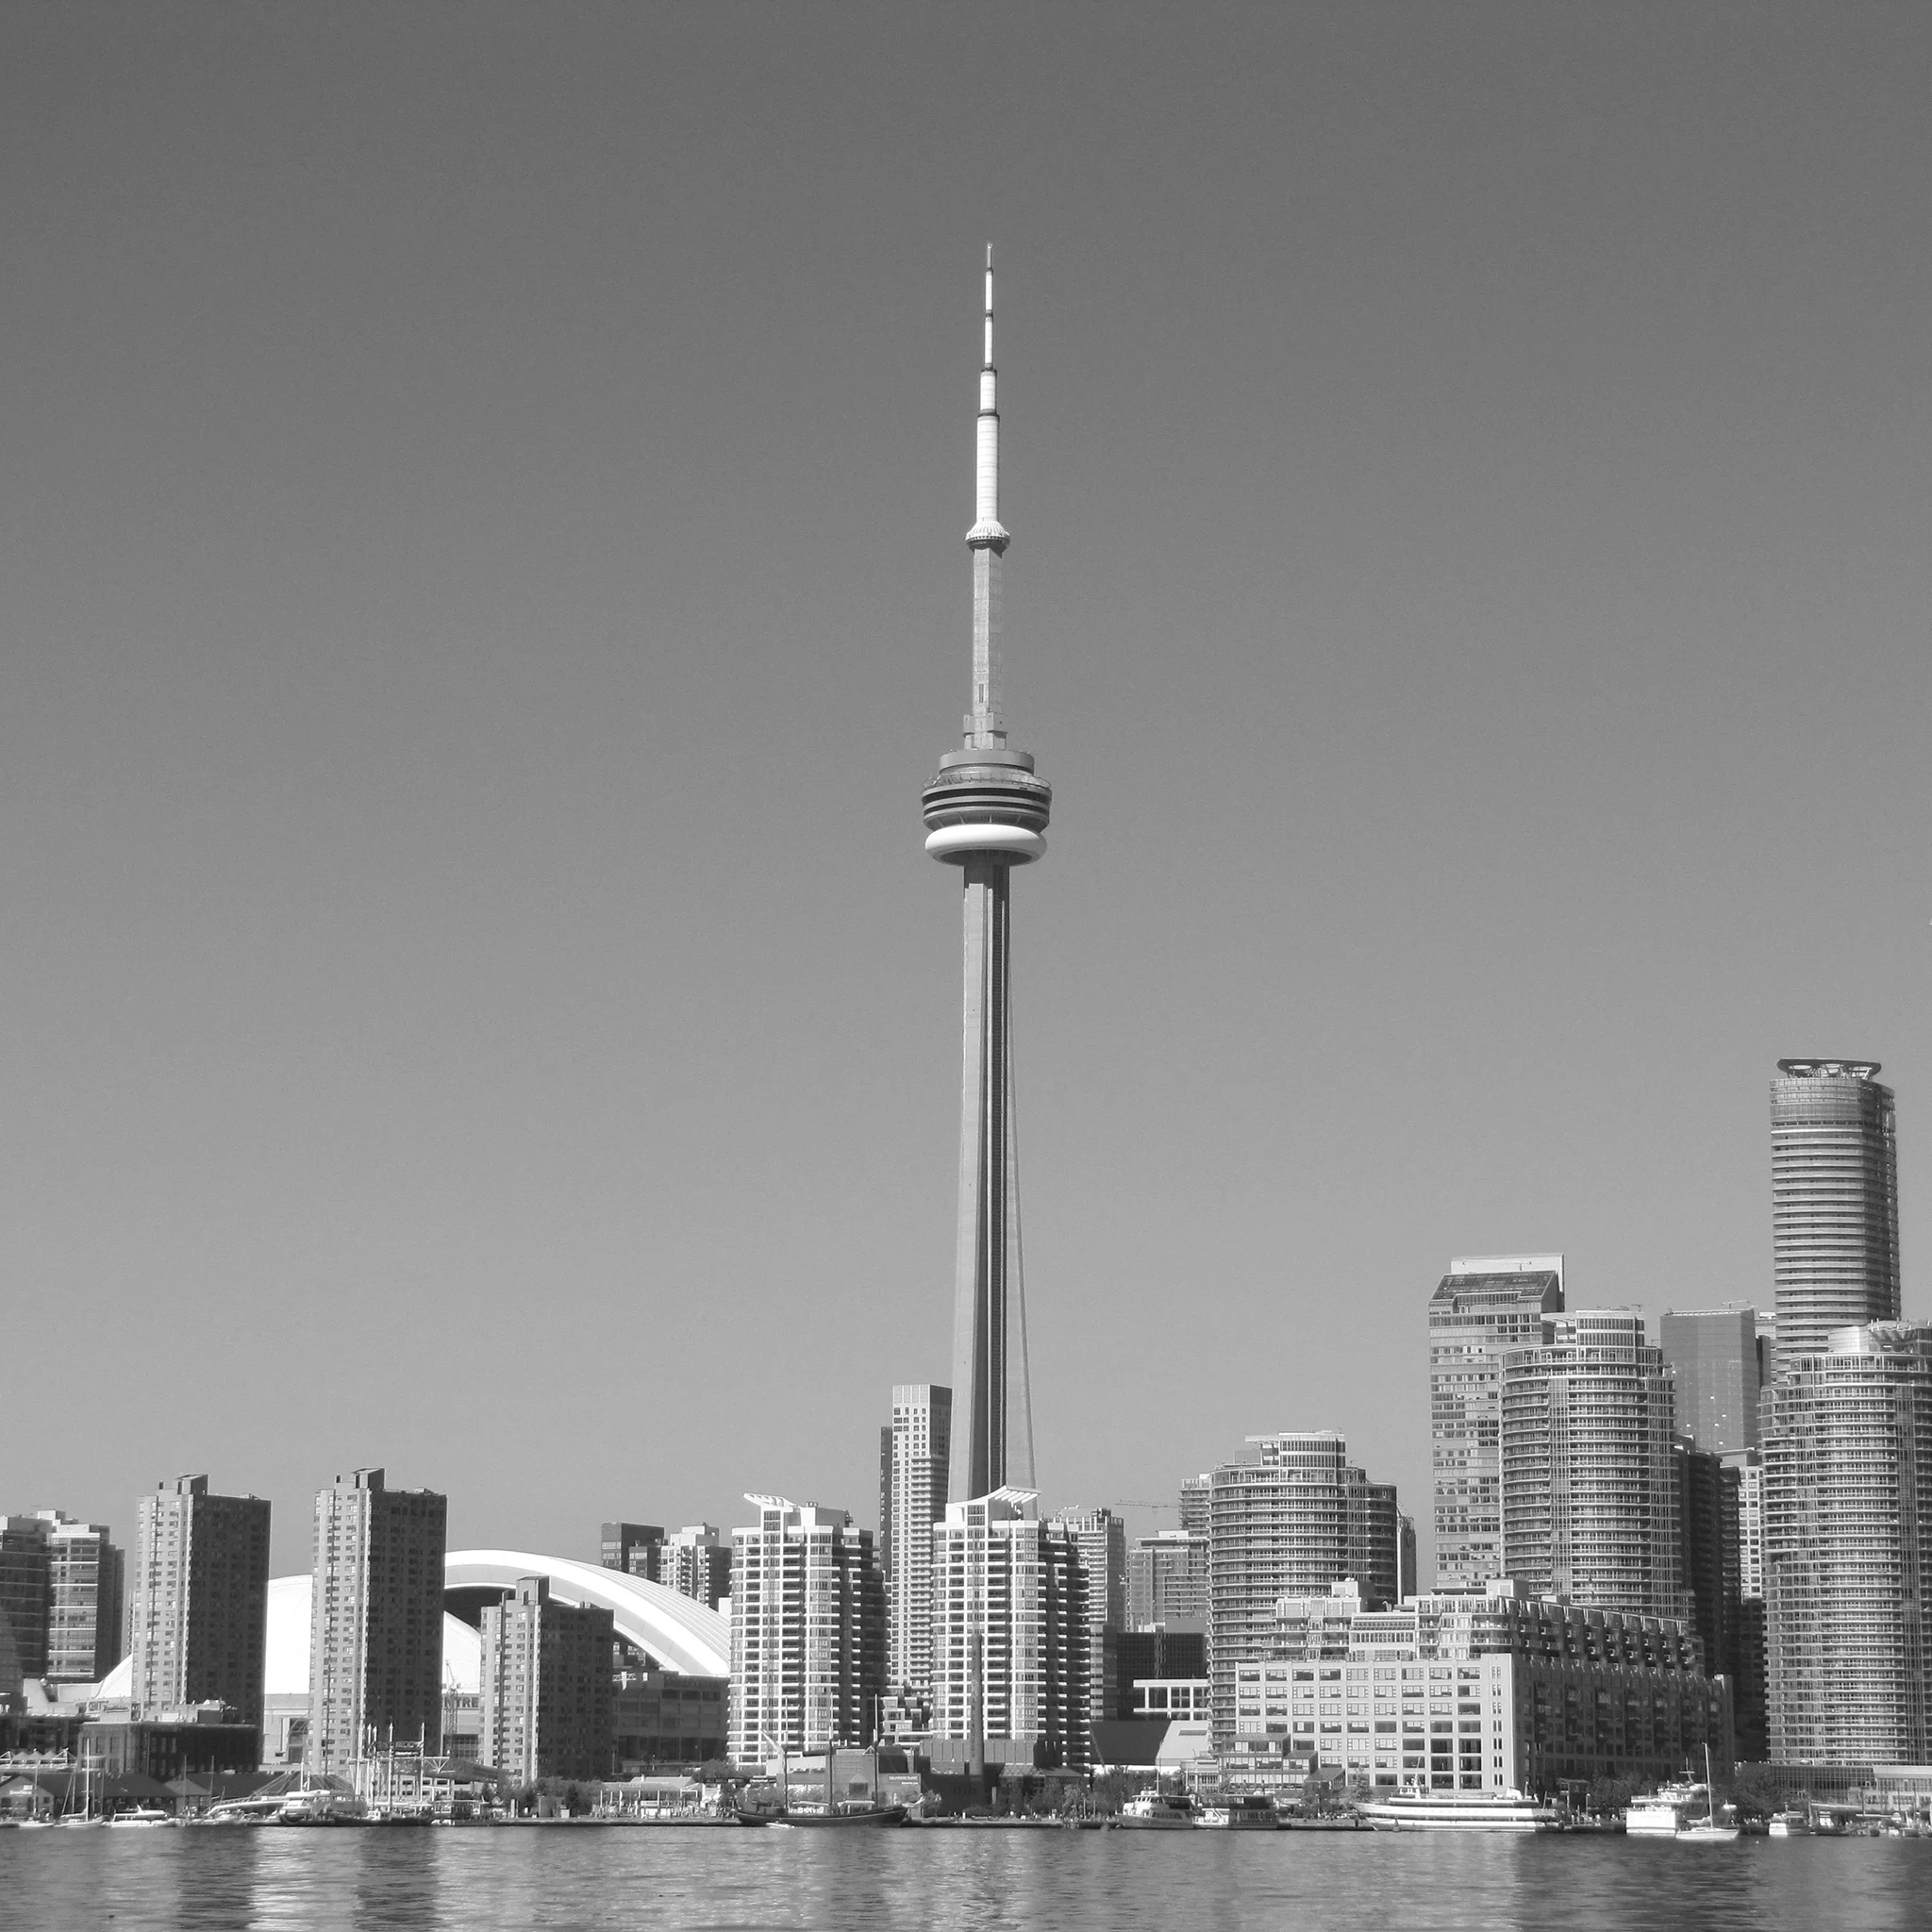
{"points": [[1589, 1492], [1102, 1540], [86, 1604], [1834, 1201], [1848, 1548], [375, 1619], [1196, 1492], [1483, 1305], [197, 1619], [913, 1452], [1011, 1644], [631, 1547], [985, 812], [545, 1686], [807, 1631], [1720, 1359], [696, 1562], [1293, 1520], [22, 1599], [1167, 1577]]}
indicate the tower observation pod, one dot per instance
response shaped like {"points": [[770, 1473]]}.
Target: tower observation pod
{"points": [[985, 812]]}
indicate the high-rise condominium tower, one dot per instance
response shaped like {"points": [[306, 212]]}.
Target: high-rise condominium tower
{"points": [[60, 1600], [1848, 1549], [375, 1620], [1101, 1538], [545, 1686], [807, 1632], [913, 1452], [1012, 1646], [985, 812], [1721, 1358], [1483, 1305], [1590, 1491], [1834, 1201], [1167, 1577], [197, 1612], [1291, 1521]]}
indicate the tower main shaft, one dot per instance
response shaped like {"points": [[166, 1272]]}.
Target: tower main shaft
{"points": [[987, 813]]}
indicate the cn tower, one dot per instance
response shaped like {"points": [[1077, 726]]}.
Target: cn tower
{"points": [[985, 812]]}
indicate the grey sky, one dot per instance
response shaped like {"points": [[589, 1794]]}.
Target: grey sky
{"points": [[484, 587]]}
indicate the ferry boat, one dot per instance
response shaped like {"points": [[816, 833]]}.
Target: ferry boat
{"points": [[1494, 1810], [1151, 1811], [1249, 1812]]}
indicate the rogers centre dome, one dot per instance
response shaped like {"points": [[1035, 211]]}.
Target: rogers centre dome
{"points": [[683, 1636]]}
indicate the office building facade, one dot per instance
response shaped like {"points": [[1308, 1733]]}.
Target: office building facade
{"points": [[807, 1632], [375, 1620], [1847, 1488], [1483, 1305], [197, 1615], [630, 1547], [1590, 1494], [546, 1686], [1293, 1519], [1834, 1194], [1722, 1358], [660, 1720], [1011, 1635], [915, 1448]]}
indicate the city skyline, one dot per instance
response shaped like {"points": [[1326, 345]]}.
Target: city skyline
{"points": [[1457, 660]]}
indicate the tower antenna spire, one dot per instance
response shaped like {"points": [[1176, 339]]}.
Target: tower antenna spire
{"points": [[986, 811]]}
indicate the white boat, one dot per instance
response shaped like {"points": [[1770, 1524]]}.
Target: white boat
{"points": [[1414, 1809], [1151, 1812], [1790, 1825], [322, 1805], [143, 1818], [1248, 1812], [1687, 1813]]}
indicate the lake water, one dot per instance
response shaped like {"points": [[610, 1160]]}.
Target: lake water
{"points": [[603, 1879]]}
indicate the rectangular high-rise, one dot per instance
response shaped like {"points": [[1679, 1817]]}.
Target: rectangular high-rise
{"points": [[914, 1470], [1483, 1305], [1167, 1577], [1720, 1358], [1290, 1522], [86, 1599], [545, 1686], [1102, 1540], [1590, 1494], [23, 1599], [1847, 1499], [696, 1562], [1012, 1638], [198, 1610], [375, 1620], [631, 1547], [807, 1632], [1834, 1201]]}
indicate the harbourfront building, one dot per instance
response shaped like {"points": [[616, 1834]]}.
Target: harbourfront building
{"points": [[807, 1632], [1589, 1492], [197, 1602], [375, 1620], [660, 1720], [546, 1686], [914, 1464], [1847, 1489], [1293, 1518], [1167, 1577], [1722, 1358], [1485, 1305], [1010, 1637], [1834, 1192], [1460, 1691]]}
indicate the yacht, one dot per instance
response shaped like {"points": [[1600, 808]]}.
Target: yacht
{"points": [[1414, 1809], [141, 1818], [1661, 1814]]}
